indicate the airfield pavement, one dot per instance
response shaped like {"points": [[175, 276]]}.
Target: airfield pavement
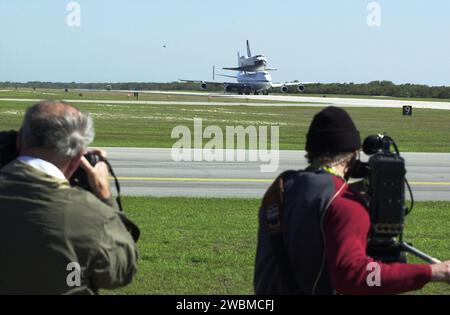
{"points": [[152, 172], [278, 100]]}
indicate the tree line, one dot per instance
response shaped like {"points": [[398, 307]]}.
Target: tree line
{"points": [[381, 88]]}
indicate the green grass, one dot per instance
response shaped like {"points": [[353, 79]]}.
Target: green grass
{"points": [[428, 229], [131, 125], [207, 246], [194, 246], [74, 95], [113, 95]]}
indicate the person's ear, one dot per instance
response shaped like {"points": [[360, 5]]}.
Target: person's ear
{"points": [[73, 165]]}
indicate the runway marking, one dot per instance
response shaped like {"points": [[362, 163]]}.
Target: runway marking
{"points": [[431, 183], [194, 179], [238, 180]]}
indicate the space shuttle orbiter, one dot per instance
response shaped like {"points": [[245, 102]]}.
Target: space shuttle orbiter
{"points": [[251, 63]]}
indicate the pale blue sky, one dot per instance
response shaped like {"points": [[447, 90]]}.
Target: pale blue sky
{"points": [[315, 40]]}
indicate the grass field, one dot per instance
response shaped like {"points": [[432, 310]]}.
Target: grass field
{"points": [[112, 95], [74, 95], [207, 246], [131, 125]]}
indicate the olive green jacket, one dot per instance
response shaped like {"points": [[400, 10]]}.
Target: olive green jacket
{"points": [[48, 229]]}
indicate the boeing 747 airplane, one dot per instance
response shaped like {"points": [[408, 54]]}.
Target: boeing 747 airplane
{"points": [[253, 77]]}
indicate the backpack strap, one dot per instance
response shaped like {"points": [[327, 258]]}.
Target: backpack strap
{"points": [[272, 207]]}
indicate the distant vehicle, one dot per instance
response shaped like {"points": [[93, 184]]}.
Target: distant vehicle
{"points": [[109, 87], [253, 77]]}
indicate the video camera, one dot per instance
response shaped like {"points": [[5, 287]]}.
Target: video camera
{"points": [[383, 186]]}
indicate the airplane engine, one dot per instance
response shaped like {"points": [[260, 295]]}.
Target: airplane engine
{"points": [[300, 88], [284, 89], [204, 86]]}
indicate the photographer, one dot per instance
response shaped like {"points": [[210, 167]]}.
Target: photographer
{"points": [[315, 242], [58, 239]]}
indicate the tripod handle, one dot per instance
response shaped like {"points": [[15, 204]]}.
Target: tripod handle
{"points": [[408, 248]]}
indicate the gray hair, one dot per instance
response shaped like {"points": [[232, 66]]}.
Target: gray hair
{"points": [[59, 127], [329, 159]]}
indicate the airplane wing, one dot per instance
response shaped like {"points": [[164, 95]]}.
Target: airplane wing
{"points": [[276, 85], [233, 85], [228, 86], [295, 83], [235, 69], [284, 87], [248, 69], [227, 76], [245, 68], [203, 82]]}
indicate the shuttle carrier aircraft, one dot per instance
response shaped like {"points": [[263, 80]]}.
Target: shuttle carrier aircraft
{"points": [[253, 77]]}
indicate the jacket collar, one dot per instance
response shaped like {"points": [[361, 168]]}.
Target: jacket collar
{"points": [[42, 165], [21, 171]]}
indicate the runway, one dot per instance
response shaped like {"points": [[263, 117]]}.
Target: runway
{"points": [[277, 100], [152, 172], [315, 101], [323, 101]]}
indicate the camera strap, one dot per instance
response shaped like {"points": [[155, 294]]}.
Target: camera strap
{"points": [[116, 181], [131, 227], [272, 206]]}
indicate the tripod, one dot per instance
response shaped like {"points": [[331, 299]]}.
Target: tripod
{"points": [[410, 249], [389, 250]]}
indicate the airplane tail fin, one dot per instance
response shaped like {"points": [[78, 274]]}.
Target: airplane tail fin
{"points": [[249, 53], [239, 59]]}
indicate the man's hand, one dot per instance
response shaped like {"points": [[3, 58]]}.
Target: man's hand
{"points": [[441, 272], [98, 176]]}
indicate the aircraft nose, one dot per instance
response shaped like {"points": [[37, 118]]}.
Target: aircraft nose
{"points": [[262, 62]]}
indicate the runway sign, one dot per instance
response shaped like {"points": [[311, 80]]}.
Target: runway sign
{"points": [[407, 110]]}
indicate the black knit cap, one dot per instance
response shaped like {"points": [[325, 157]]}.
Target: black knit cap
{"points": [[332, 130]]}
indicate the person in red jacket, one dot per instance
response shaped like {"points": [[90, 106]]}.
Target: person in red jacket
{"points": [[325, 224]]}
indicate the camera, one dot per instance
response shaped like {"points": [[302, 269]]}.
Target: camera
{"points": [[383, 189], [79, 177], [8, 152], [384, 183]]}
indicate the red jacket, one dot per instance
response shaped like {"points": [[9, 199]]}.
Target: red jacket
{"points": [[347, 225]]}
